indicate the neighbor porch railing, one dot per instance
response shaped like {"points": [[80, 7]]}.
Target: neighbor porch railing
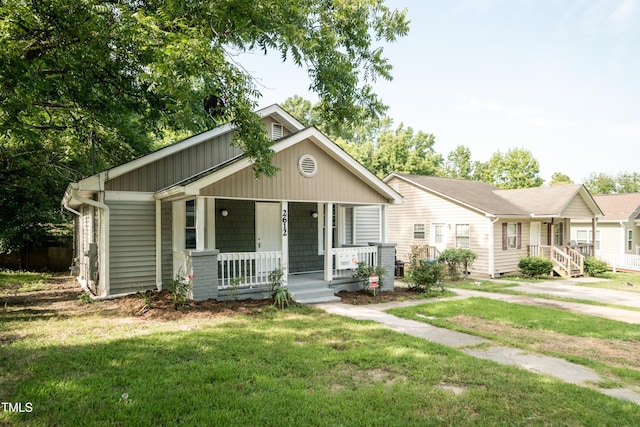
{"points": [[345, 260], [621, 262], [247, 268]]}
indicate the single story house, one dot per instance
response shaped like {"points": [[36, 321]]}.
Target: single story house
{"points": [[617, 235], [499, 226], [195, 209]]}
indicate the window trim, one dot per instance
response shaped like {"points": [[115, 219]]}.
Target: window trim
{"points": [[419, 228], [459, 236]]}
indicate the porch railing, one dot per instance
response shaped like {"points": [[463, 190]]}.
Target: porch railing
{"points": [[567, 263], [621, 262], [345, 260], [247, 268]]}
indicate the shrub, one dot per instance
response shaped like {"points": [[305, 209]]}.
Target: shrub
{"points": [[364, 271], [424, 275], [535, 266], [594, 266], [179, 288], [281, 295], [458, 261]]}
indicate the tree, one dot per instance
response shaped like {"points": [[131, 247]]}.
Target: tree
{"points": [[458, 163], [627, 182], [126, 72], [600, 183], [517, 168], [559, 179]]}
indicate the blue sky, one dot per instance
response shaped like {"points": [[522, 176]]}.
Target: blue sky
{"points": [[560, 78]]}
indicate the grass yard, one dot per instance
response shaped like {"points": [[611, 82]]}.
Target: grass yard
{"points": [[618, 281], [97, 364], [610, 347]]}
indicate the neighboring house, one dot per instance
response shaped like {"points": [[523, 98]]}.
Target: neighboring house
{"points": [[499, 226], [195, 208], [617, 234]]}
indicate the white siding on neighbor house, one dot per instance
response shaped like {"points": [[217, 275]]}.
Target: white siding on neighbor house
{"points": [[421, 207], [132, 246], [367, 224], [612, 238]]}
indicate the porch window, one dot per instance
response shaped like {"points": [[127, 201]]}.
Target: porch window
{"points": [[190, 224], [463, 236], [419, 232], [629, 240]]}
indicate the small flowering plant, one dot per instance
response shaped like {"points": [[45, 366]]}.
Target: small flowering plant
{"points": [[180, 287]]}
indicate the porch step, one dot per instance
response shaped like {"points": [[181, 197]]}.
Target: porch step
{"points": [[312, 292]]}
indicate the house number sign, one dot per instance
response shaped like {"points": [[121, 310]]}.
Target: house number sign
{"points": [[284, 222]]}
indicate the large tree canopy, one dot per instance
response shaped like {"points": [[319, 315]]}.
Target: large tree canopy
{"points": [[125, 72]]}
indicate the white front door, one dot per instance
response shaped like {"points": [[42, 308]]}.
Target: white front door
{"points": [[534, 234], [438, 236], [268, 227]]}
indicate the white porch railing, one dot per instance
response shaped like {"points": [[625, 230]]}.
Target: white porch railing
{"points": [[247, 268], [621, 262], [343, 265], [566, 263]]}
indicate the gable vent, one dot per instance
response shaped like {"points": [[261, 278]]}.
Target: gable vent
{"points": [[277, 131], [307, 165]]}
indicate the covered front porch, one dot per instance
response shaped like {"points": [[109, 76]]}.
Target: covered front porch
{"points": [[236, 249]]}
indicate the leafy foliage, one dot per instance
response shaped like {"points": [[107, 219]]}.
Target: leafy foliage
{"points": [[282, 298], [424, 275], [458, 261], [594, 266], [535, 266], [130, 72], [517, 168], [603, 183], [179, 288], [364, 272]]}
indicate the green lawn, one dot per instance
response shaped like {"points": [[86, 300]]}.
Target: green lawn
{"points": [[22, 281], [609, 346], [293, 367]]}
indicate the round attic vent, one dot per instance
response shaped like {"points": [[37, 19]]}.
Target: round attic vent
{"points": [[307, 165]]}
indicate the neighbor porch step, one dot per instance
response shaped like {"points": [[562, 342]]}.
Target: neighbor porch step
{"points": [[312, 292]]}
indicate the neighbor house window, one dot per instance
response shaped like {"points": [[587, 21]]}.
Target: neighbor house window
{"points": [[511, 235], [190, 224], [463, 236], [629, 240], [419, 231]]}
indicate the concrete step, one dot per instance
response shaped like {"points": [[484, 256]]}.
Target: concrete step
{"points": [[312, 293]]}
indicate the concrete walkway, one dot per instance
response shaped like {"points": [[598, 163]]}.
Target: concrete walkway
{"points": [[467, 343]]}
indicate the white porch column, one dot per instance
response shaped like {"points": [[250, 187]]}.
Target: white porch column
{"points": [[284, 208], [211, 224], [328, 241], [201, 220], [384, 217]]}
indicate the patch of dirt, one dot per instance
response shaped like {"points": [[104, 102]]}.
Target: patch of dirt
{"points": [[612, 352], [365, 297], [61, 298]]}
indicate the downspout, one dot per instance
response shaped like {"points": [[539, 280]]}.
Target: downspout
{"points": [[492, 263], [104, 236]]}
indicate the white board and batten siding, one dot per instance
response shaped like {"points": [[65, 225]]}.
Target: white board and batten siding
{"points": [[132, 248]]}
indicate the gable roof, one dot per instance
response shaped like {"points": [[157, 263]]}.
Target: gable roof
{"points": [[230, 164], [493, 201], [193, 185], [619, 207]]}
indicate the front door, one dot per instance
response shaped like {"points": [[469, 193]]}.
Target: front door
{"points": [[438, 236], [534, 234], [268, 236]]}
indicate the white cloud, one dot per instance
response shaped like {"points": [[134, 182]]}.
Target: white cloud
{"points": [[624, 13]]}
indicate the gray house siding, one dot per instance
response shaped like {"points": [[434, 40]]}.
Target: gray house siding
{"points": [[177, 167], [237, 231], [367, 224], [167, 245], [303, 239], [132, 248]]}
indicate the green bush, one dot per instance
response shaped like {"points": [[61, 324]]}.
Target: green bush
{"points": [[535, 266], [364, 271], [458, 262], [425, 275], [594, 266]]}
